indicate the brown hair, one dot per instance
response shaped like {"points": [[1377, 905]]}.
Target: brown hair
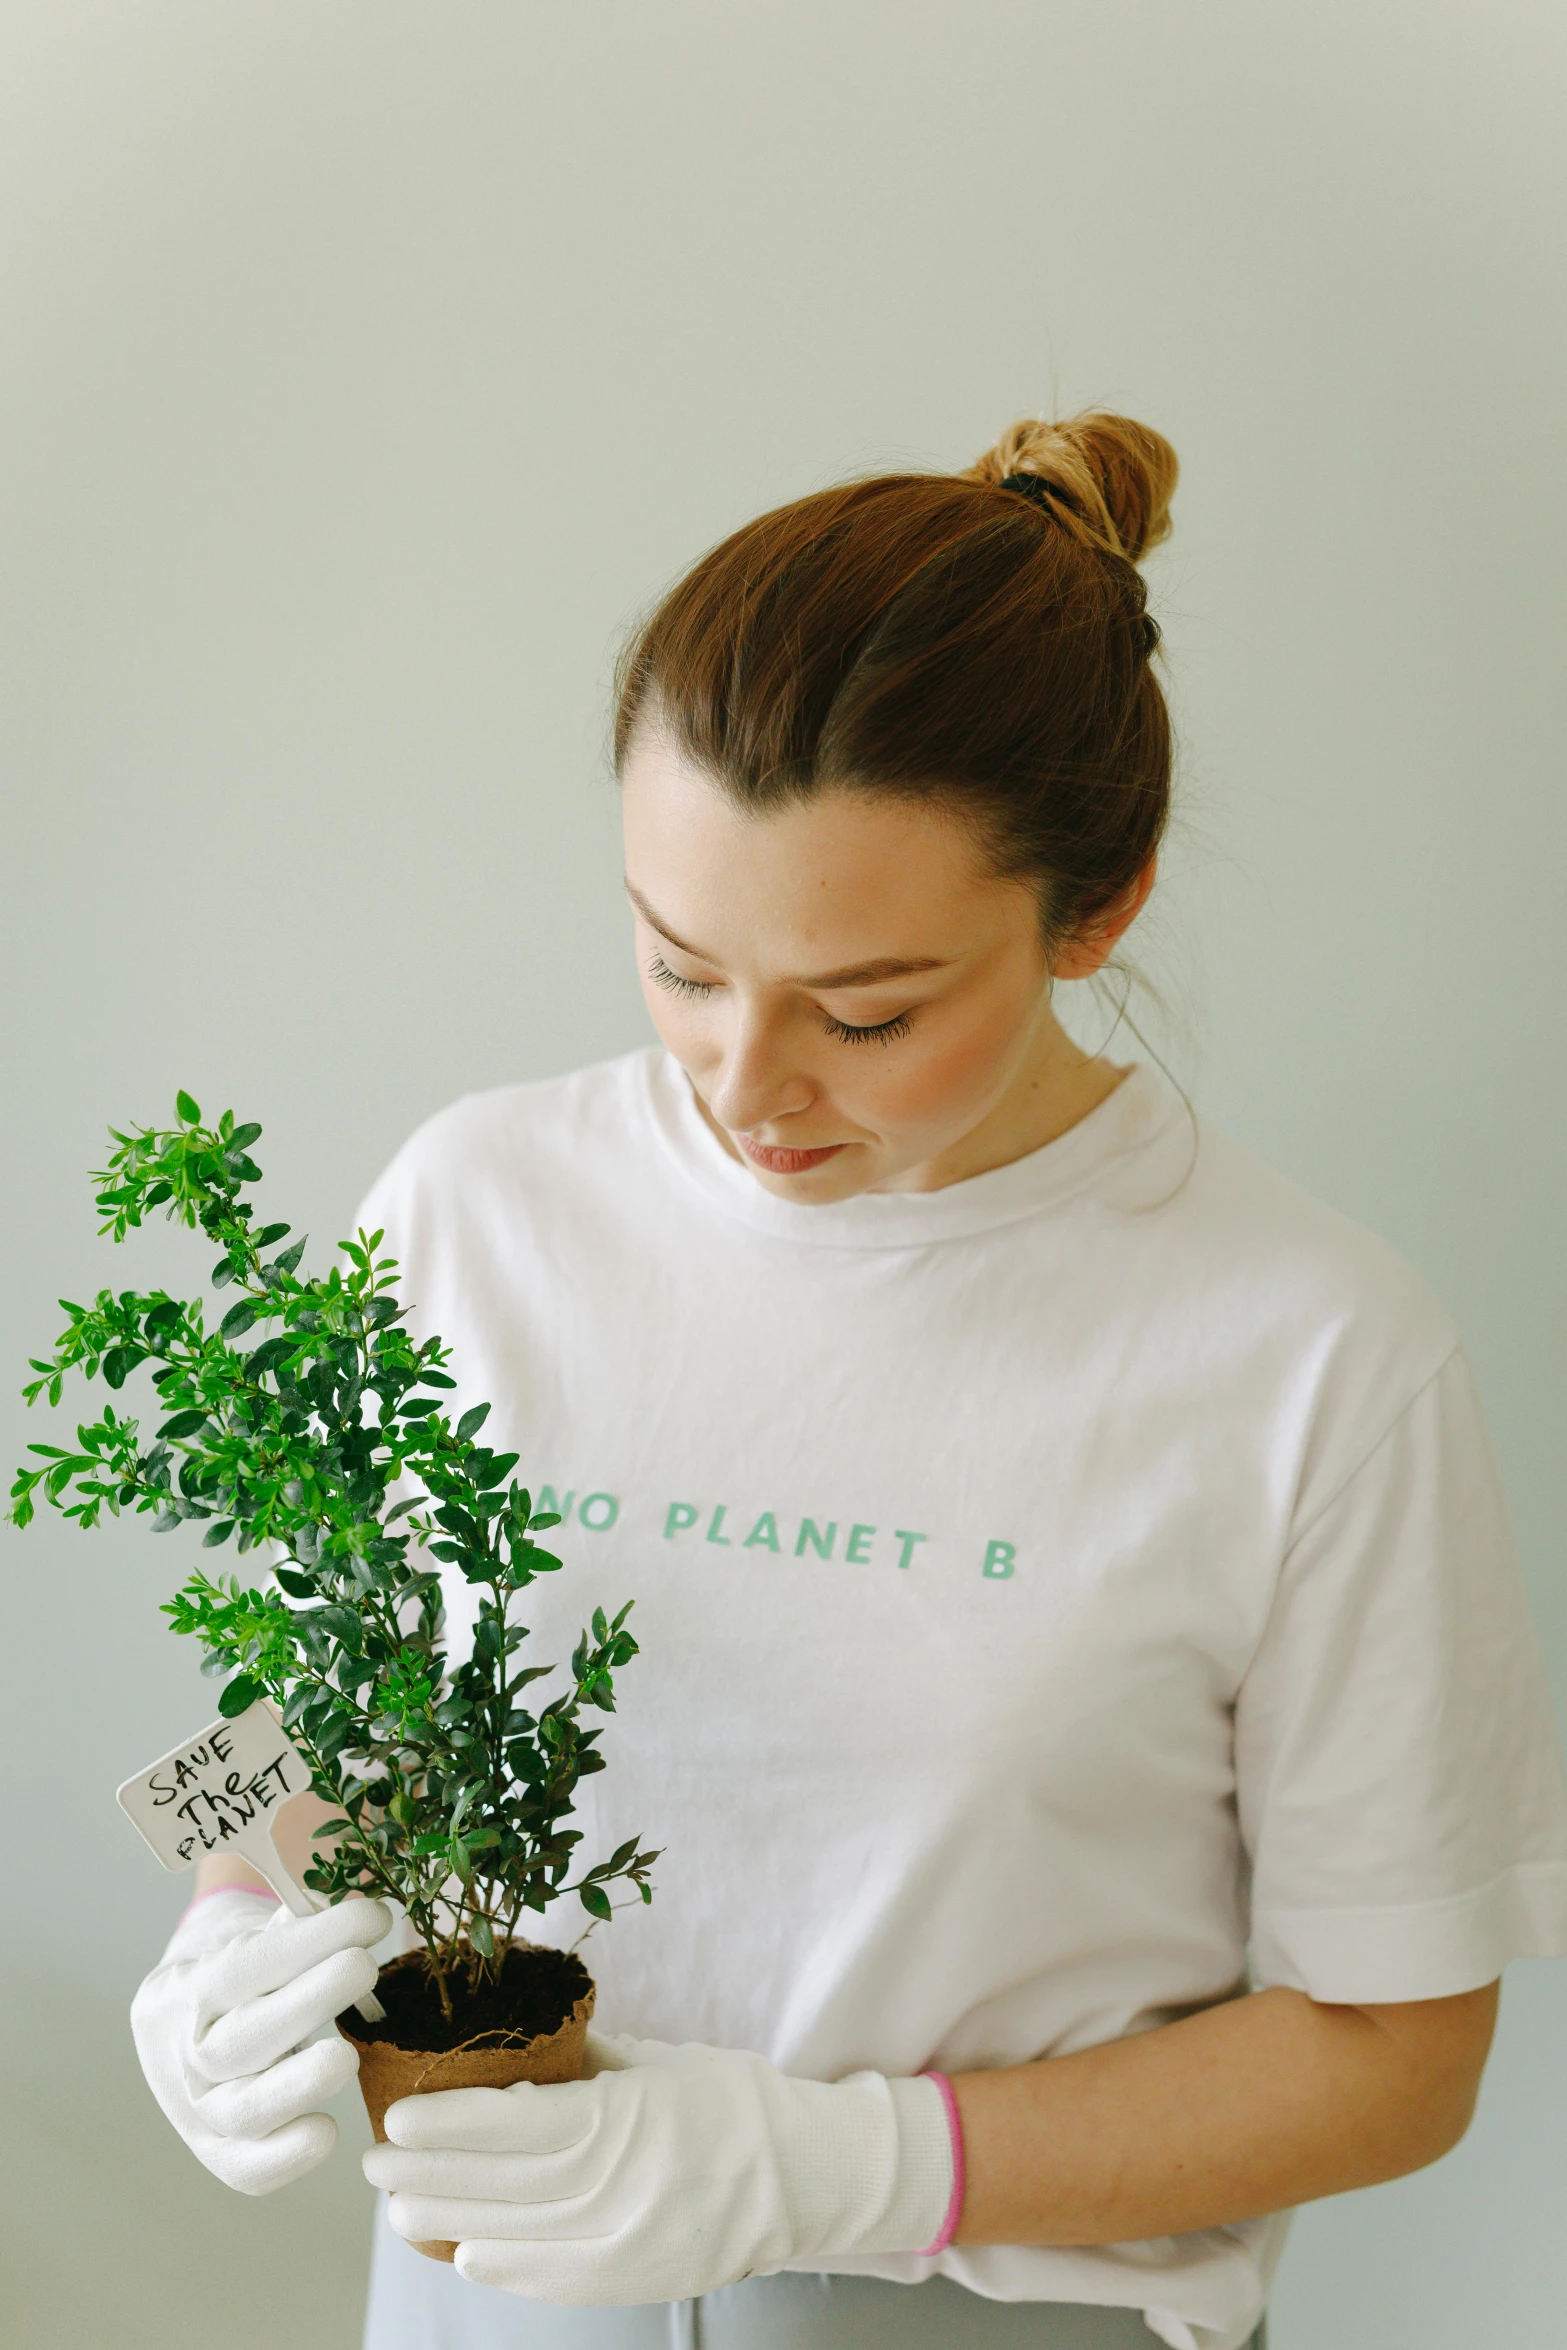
{"points": [[939, 636]]}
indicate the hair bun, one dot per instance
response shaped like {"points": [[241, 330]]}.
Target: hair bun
{"points": [[1117, 474]]}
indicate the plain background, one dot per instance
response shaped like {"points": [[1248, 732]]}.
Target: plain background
{"points": [[366, 369]]}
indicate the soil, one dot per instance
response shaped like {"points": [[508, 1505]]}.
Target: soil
{"points": [[536, 1993]]}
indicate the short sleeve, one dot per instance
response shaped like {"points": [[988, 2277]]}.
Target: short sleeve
{"points": [[1400, 1786]]}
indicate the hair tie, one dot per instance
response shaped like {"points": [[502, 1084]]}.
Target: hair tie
{"points": [[1037, 490]]}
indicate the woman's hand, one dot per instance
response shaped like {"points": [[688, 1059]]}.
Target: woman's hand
{"points": [[225, 2026], [667, 2173]]}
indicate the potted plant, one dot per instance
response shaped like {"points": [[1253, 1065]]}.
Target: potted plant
{"points": [[328, 1446]]}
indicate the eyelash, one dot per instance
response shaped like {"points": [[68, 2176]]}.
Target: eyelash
{"points": [[884, 1032], [672, 983]]}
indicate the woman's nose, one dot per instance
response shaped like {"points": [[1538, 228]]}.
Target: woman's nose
{"points": [[754, 1081]]}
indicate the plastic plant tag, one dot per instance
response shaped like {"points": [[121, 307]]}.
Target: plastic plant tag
{"points": [[220, 1792]]}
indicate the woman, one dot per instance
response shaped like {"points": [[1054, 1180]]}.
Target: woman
{"points": [[1087, 1696]]}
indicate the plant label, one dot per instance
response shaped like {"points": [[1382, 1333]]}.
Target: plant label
{"points": [[220, 1792]]}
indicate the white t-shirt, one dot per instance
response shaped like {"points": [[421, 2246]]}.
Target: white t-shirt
{"points": [[1047, 1588]]}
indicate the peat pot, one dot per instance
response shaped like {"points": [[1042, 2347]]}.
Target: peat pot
{"points": [[530, 2026]]}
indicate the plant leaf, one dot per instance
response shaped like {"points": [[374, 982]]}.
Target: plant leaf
{"points": [[183, 1424]]}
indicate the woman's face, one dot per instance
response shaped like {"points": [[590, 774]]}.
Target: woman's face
{"points": [[853, 995]]}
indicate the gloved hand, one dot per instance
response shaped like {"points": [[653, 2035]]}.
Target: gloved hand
{"points": [[670, 2172], [220, 2021]]}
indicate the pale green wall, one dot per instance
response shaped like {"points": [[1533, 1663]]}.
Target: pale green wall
{"points": [[365, 368]]}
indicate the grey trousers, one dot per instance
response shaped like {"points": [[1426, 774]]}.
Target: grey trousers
{"points": [[417, 2304]]}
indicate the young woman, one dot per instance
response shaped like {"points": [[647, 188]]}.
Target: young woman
{"points": [[1087, 1697]]}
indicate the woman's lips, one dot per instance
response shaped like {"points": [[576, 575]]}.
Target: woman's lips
{"points": [[781, 1162]]}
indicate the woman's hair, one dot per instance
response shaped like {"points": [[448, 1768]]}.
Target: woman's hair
{"points": [[941, 637]]}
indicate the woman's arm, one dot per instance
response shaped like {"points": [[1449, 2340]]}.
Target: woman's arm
{"points": [[1267, 2101]]}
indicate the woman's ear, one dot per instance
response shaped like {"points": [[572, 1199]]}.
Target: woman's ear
{"points": [[1088, 949]]}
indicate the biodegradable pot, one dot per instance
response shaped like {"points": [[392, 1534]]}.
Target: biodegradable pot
{"points": [[549, 1993]]}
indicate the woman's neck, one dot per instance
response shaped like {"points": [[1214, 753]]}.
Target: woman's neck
{"points": [[1055, 1088]]}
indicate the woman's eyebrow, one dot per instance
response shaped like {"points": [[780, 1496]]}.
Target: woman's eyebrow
{"points": [[853, 975], [866, 974]]}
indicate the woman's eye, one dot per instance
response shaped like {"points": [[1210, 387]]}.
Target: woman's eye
{"points": [[672, 983], [884, 1032], [843, 1031]]}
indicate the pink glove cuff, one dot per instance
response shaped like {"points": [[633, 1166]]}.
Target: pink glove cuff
{"points": [[949, 2226]]}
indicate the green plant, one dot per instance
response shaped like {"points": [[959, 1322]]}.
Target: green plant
{"points": [[328, 1441]]}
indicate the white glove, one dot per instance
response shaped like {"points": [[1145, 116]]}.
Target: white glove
{"points": [[671, 2172], [219, 2026]]}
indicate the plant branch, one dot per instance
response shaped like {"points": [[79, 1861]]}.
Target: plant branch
{"points": [[443, 1778]]}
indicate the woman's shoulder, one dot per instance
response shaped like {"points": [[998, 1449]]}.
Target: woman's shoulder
{"points": [[1255, 1215], [522, 1138], [1197, 1214], [1312, 1283]]}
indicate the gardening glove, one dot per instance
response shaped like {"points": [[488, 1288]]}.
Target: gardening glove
{"points": [[223, 2029], [670, 2172]]}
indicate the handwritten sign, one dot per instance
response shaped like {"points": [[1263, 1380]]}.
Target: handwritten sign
{"points": [[220, 1792]]}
